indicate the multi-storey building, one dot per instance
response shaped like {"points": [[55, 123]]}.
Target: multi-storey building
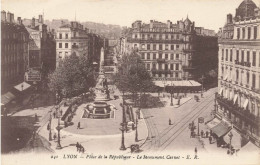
{"points": [[73, 38], [170, 50], [239, 72], [14, 51], [42, 49]]}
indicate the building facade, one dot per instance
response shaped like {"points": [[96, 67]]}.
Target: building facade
{"points": [[238, 99], [74, 38], [169, 50], [14, 51]]}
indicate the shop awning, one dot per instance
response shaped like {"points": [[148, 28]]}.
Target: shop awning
{"points": [[213, 123], [235, 98], [194, 83], [220, 129], [6, 98], [183, 83], [236, 139], [23, 86]]}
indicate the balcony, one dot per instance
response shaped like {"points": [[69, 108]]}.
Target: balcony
{"points": [[160, 60], [242, 63], [239, 111], [161, 71], [184, 67]]}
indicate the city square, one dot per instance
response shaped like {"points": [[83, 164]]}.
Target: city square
{"points": [[149, 91]]}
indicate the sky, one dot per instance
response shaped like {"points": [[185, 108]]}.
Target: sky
{"points": [[210, 14]]}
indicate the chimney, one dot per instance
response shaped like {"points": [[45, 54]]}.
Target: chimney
{"points": [[169, 23], [12, 18], [229, 18], [3, 15], [33, 23], [8, 17], [40, 19], [19, 20]]}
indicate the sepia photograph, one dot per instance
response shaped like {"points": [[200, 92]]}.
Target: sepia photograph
{"points": [[130, 82]]}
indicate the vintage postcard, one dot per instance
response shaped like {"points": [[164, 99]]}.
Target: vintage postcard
{"points": [[130, 82]]}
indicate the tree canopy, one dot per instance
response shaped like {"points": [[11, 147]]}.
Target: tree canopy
{"points": [[73, 76], [132, 75]]}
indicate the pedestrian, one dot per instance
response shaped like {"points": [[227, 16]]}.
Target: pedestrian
{"points": [[36, 117], [191, 134], [80, 147], [196, 151], [210, 140], [78, 125], [83, 149], [207, 134], [210, 133], [77, 146], [170, 122], [202, 133], [61, 112], [133, 127], [54, 136], [54, 115]]}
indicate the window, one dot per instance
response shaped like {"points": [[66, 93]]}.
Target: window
{"points": [[237, 75], [166, 36], [253, 80], [231, 54], [226, 54], [66, 53], [160, 56], [242, 56], [154, 66], [238, 33], [154, 56], [177, 46], [148, 56], [255, 32], [222, 55], [160, 47], [249, 32], [172, 47], [248, 56], [166, 47], [171, 66], [143, 46], [254, 59], [243, 33], [166, 56], [247, 77], [172, 37], [148, 46], [142, 36], [177, 56], [171, 56], [60, 36], [160, 66], [154, 46], [176, 75], [148, 67], [143, 56], [177, 36], [66, 35], [237, 55], [166, 66], [177, 67], [160, 36], [66, 45], [135, 35], [60, 45]]}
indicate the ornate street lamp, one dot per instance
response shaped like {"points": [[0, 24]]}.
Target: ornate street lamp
{"points": [[202, 80], [171, 93], [58, 129], [123, 125], [230, 135], [50, 135], [136, 133]]}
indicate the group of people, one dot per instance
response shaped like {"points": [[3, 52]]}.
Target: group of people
{"points": [[80, 148]]}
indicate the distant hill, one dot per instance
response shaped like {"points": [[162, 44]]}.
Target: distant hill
{"points": [[109, 31]]}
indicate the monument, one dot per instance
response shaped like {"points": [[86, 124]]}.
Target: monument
{"points": [[101, 89]]}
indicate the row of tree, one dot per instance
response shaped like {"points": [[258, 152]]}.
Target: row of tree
{"points": [[74, 76]]}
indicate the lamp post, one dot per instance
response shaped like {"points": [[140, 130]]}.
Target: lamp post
{"points": [[123, 124], [202, 79], [171, 93], [58, 129], [136, 133], [50, 134], [230, 138]]}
